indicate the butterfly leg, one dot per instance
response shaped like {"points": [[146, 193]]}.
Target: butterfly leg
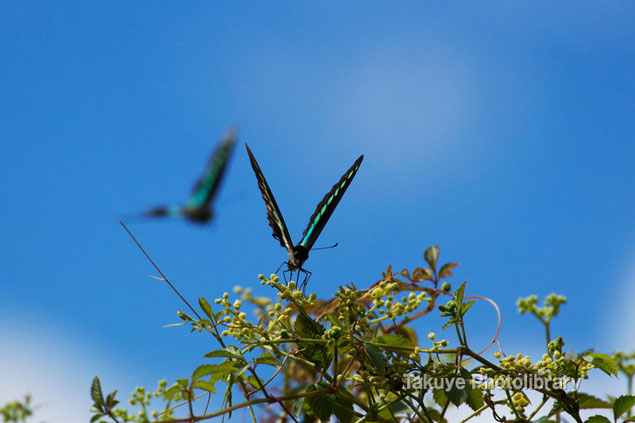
{"points": [[305, 282], [280, 267]]}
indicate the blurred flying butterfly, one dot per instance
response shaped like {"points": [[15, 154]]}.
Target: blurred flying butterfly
{"points": [[300, 252], [198, 207]]}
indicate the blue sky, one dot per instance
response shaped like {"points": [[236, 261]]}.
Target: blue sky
{"points": [[502, 132]]}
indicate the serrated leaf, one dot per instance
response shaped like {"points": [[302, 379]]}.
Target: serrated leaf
{"points": [[586, 401], [202, 371], [440, 398], [375, 356], [343, 410], [622, 404], [395, 408], [446, 270], [320, 405], [421, 274], [458, 294], [475, 399], [229, 352], [206, 307], [267, 358], [405, 273], [305, 327], [597, 419], [173, 390], [95, 392], [396, 340], [431, 256], [449, 323], [204, 385], [253, 381], [216, 371], [298, 404], [184, 382], [408, 333], [111, 402], [436, 415], [467, 305], [602, 362], [458, 390]]}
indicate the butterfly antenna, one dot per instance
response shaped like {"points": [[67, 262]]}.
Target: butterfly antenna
{"points": [[158, 270], [135, 217], [326, 248]]}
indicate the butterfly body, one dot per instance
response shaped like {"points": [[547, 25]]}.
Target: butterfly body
{"points": [[299, 253], [297, 257], [198, 207]]}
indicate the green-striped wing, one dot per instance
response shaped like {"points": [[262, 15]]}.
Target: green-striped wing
{"points": [[208, 184], [280, 231], [325, 209]]}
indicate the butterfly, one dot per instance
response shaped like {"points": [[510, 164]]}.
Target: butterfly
{"points": [[198, 207], [299, 253]]}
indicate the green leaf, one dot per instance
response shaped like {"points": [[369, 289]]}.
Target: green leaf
{"points": [[184, 316], [602, 362], [217, 371], [436, 415], [408, 333], [320, 405], [111, 402], [431, 256], [204, 385], [446, 270], [172, 391], [305, 327], [458, 390], [229, 352], [96, 417], [343, 410], [254, 382], [622, 405], [475, 399], [267, 358], [597, 419], [440, 398], [395, 408], [586, 401], [207, 309], [396, 340], [95, 392], [467, 306], [458, 294], [375, 356], [298, 403]]}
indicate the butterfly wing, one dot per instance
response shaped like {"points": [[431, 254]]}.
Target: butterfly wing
{"points": [[326, 207], [280, 231], [207, 185]]}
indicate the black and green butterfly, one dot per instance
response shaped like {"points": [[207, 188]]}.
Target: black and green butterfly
{"points": [[198, 207], [300, 252]]}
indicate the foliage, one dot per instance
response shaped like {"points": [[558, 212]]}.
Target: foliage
{"points": [[355, 358], [16, 411]]}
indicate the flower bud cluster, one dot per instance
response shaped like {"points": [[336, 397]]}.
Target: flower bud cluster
{"points": [[384, 302]]}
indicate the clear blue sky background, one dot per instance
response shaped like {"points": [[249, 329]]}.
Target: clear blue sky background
{"points": [[502, 132]]}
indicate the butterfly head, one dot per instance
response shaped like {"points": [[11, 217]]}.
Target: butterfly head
{"points": [[298, 257]]}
